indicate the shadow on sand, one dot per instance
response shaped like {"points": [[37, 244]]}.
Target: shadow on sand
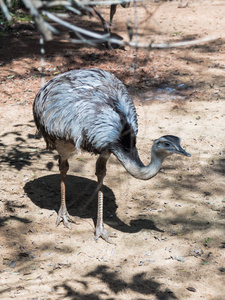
{"points": [[81, 201]]}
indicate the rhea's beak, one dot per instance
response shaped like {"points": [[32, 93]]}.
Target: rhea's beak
{"points": [[181, 151]]}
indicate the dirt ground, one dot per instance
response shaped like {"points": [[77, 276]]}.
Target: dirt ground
{"points": [[169, 231]]}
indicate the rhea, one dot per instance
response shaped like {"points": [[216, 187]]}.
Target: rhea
{"points": [[92, 110]]}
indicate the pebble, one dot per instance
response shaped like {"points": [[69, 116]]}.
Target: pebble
{"points": [[181, 259], [191, 289], [222, 270], [12, 264]]}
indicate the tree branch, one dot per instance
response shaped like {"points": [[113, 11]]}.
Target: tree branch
{"points": [[5, 10], [36, 7]]}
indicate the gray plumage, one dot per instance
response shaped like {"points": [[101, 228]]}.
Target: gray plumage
{"points": [[82, 107], [92, 110]]}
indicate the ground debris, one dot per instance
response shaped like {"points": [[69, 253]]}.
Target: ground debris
{"points": [[191, 289], [222, 270], [12, 264], [180, 259]]}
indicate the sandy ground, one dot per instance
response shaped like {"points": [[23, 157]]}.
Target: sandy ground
{"points": [[169, 231]]}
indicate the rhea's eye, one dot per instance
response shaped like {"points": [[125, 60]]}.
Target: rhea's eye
{"points": [[167, 144]]}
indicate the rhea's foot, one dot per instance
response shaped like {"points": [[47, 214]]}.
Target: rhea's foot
{"points": [[101, 232], [64, 216]]}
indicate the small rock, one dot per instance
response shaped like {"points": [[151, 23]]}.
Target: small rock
{"points": [[222, 270], [23, 254], [12, 264], [181, 259], [168, 291], [191, 289], [182, 5]]}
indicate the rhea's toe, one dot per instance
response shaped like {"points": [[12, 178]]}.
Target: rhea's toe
{"points": [[101, 232], [64, 217]]}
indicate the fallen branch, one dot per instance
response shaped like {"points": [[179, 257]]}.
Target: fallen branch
{"points": [[75, 28], [86, 36]]}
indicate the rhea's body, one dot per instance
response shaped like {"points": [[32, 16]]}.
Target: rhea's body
{"points": [[92, 110]]}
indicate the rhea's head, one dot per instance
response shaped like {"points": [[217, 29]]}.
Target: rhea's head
{"points": [[167, 145]]}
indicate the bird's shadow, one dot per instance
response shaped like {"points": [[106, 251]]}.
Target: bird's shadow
{"points": [[81, 201]]}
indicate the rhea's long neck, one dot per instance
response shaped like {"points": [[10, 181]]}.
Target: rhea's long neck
{"points": [[134, 166]]}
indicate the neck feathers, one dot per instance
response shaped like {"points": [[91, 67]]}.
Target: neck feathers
{"points": [[135, 167]]}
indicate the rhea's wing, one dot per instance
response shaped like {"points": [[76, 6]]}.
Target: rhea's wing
{"points": [[89, 107]]}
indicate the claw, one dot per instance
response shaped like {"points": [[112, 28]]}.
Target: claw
{"points": [[101, 232], [65, 218]]}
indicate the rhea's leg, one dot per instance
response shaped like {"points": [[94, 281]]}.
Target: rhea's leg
{"points": [[104, 23], [112, 12], [100, 173], [106, 27], [63, 213]]}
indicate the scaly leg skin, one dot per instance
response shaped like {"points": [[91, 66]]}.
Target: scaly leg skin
{"points": [[99, 230], [101, 172], [63, 214]]}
